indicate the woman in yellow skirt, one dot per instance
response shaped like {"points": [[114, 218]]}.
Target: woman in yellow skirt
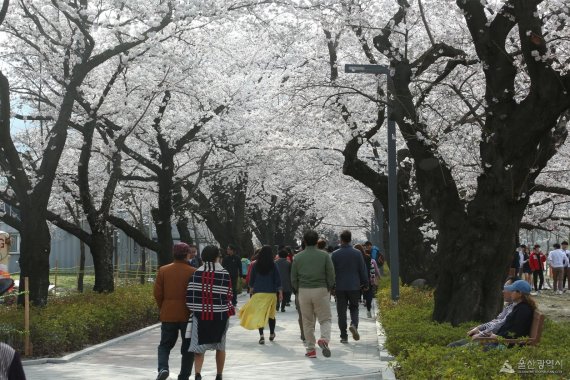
{"points": [[265, 285]]}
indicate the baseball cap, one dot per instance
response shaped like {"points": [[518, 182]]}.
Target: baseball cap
{"points": [[519, 286]]}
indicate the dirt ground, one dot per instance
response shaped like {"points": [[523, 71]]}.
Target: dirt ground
{"points": [[554, 306]]}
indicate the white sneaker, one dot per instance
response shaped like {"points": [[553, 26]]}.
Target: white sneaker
{"points": [[533, 293], [369, 314]]}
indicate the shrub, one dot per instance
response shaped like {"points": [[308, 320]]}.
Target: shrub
{"points": [[75, 321], [420, 345]]}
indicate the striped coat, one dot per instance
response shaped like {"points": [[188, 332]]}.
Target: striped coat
{"points": [[209, 293]]}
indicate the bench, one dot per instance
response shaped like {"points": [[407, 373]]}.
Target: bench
{"points": [[532, 340]]}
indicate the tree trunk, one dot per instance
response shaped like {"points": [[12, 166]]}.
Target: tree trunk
{"points": [[102, 252], [476, 251], [184, 231], [34, 256], [81, 275], [161, 218]]}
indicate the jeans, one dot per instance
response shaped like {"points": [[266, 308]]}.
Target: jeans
{"points": [[368, 295], [346, 298], [168, 335]]}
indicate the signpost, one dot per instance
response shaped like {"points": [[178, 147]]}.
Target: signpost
{"points": [[392, 178]]}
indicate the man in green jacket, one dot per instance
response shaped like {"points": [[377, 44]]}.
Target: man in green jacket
{"points": [[312, 276]]}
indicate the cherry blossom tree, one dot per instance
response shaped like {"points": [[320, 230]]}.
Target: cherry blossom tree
{"points": [[71, 40]]}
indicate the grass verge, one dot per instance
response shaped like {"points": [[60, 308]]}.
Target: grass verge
{"points": [[419, 345], [75, 321]]}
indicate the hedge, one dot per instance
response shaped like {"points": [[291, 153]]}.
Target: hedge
{"points": [[76, 321], [419, 345]]}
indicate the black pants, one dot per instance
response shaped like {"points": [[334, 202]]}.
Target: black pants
{"points": [[535, 276], [565, 278], [368, 295], [271, 327], [234, 290], [286, 296], [344, 299], [168, 334]]}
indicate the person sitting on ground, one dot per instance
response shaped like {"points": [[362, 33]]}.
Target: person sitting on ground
{"points": [[519, 321], [486, 329]]}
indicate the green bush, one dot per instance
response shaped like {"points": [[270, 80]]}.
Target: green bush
{"points": [[75, 321], [420, 345]]}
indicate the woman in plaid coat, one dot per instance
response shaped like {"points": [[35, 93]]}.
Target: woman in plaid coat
{"points": [[209, 298]]}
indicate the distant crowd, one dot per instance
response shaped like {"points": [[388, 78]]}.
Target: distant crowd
{"points": [[197, 294], [527, 263]]}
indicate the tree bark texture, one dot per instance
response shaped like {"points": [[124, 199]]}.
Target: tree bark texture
{"points": [[102, 252], [36, 238]]}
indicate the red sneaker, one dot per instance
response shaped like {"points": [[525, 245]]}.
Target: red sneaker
{"points": [[311, 354], [324, 345]]}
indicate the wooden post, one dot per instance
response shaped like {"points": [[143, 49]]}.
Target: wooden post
{"points": [[27, 350], [55, 279]]}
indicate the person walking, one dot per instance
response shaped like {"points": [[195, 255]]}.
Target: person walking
{"points": [[351, 278], [558, 261], [312, 277], [522, 260], [373, 273], [526, 266], [536, 262], [515, 262], [564, 249], [264, 284], [284, 267], [209, 297], [170, 296], [232, 264]]}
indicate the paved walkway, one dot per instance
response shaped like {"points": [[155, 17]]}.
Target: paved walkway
{"points": [[135, 357]]}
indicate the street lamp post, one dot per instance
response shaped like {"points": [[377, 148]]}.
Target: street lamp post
{"points": [[392, 178]]}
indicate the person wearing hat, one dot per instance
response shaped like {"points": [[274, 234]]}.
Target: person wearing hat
{"points": [[536, 262], [170, 295], [486, 329], [518, 322]]}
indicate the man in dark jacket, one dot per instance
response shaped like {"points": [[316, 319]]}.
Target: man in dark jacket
{"points": [[351, 276], [170, 295], [232, 263]]}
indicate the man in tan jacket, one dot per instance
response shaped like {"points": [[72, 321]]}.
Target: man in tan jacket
{"points": [[170, 295]]}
